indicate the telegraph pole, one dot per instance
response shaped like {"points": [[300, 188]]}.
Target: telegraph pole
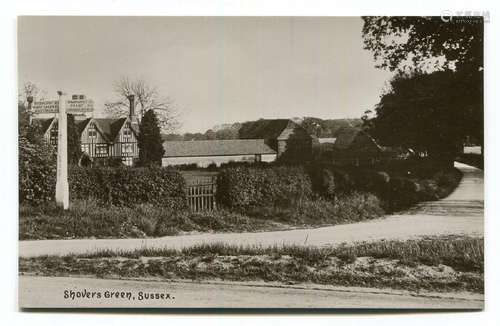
{"points": [[62, 187]]}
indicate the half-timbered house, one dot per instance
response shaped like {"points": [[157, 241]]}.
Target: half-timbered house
{"points": [[101, 139], [109, 138]]}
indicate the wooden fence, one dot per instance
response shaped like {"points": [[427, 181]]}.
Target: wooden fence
{"points": [[201, 197]]}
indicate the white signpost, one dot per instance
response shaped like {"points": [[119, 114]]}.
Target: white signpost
{"points": [[62, 107], [62, 187]]}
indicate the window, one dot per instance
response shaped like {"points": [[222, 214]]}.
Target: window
{"points": [[127, 148], [127, 133], [81, 97], [85, 148], [92, 132], [101, 149], [74, 97], [54, 135]]}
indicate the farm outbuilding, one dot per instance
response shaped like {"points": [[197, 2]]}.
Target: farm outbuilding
{"points": [[351, 146], [287, 138], [206, 152]]}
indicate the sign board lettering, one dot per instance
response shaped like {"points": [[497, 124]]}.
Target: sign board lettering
{"points": [[72, 106], [46, 107]]}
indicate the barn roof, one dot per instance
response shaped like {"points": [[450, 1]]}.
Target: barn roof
{"points": [[272, 129], [216, 147], [345, 137]]}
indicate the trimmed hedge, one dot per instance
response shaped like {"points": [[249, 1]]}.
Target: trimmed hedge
{"points": [[129, 186], [242, 187]]}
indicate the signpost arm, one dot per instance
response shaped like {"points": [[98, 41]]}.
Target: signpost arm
{"points": [[62, 187]]}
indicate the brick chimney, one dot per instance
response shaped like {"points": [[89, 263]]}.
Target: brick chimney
{"points": [[131, 99]]}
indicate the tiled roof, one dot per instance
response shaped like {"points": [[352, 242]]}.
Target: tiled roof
{"points": [[263, 129], [272, 129], [43, 123], [345, 137], [81, 124], [216, 147], [110, 127]]}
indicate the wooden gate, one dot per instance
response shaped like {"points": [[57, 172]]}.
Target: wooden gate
{"points": [[201, 197]]}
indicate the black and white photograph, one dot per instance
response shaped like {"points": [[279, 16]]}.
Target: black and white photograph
{"points": [[251, 162]]}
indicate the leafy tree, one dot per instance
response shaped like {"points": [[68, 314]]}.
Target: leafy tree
{"points": [[429, 113], [149, 141], [37, 162], [210, 134], [447, 105], [401, 43], [31, 132], [327, 127], [171, 137]]}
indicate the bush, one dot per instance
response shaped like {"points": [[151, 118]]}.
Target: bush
{"points": [[211, 221], [242, 187], [346, 208], [129, 186], [37, 171]]}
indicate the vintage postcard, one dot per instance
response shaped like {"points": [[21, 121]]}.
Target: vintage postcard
{"points": [[251, 162]]}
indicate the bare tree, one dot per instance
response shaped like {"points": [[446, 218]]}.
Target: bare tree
{"points": [[147, 98], [30, 89]]}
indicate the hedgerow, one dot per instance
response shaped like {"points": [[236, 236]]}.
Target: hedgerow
{"points": [[242, 187], [129, 186], [37, 171]]}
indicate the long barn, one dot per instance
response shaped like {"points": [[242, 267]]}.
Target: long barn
{"points": [[206, 152]]}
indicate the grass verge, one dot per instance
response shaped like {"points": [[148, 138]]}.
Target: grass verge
{"points": [[87, 219], [436, 264]]}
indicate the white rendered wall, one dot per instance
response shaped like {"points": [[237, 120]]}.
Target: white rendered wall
{"points": [[204, 161]]}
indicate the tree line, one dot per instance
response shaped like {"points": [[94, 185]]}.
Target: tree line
{"points": [[315, 126]]}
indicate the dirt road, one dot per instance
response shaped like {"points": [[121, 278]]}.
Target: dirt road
{"points": [[460, 213], [42, 292]]}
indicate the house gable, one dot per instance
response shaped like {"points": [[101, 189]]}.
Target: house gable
{"points": [[263, 129], [294, 131], [93, 133], [126, 132]]}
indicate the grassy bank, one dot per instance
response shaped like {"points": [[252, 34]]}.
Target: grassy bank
{"points": [[87, 219], [437, 264]]}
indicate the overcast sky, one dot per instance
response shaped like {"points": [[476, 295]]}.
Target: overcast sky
{"points": [[216, 70]]}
